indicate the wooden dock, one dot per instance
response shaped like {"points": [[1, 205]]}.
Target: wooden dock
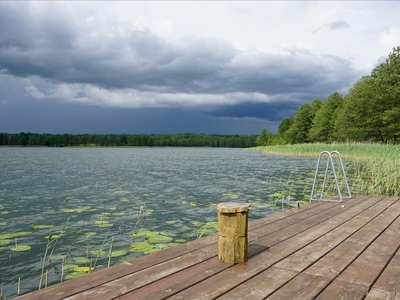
{"points": [[322, 250]]}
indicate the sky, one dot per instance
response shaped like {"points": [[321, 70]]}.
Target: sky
{"points": [[213, 67]]}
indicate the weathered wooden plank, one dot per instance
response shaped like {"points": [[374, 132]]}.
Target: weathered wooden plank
{"points": [[332, 264], [234, 276], [303, 258], [314, 251], [388, 284], [177, 282], [128, 283], [286, 214], [303, 286], [306, 211], [71, 287], [347, 290], [119, 286], [261, 286], [369, 265], [192, 270]]}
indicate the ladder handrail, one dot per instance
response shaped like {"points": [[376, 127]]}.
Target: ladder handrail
{"points": [[329, 160]]}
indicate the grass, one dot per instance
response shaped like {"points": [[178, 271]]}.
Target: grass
{"points": [[373, 169]]}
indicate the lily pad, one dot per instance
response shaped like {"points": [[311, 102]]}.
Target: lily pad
{"points": [[118, 253], [101, 222], [170, 222], [70, 267], [180, 241], [5, 212], [119, 213], [53, 236], [152, 250], [98, 252], [42, 226], [104, 225], [159, 239], [124, 199], [83, 269], [19, 248], [6, 236], [91, 233], [3, 223], [80, 259], [1, 206], [141, 246], [4, 242]]}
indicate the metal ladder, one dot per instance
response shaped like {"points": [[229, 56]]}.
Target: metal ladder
{"points": [[329, 162]]}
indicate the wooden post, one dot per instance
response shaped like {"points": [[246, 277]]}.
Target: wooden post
{"points": [[232, 227]]}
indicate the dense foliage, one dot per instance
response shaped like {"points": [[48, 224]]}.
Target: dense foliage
{"points": [[369, 112], [143, 140]]}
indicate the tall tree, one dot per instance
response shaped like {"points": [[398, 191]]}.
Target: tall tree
{"points": [[322, 127], [264, 139], [298, 131]]}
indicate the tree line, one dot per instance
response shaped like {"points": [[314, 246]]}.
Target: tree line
{"points": [[138, 140], [369, 112]]}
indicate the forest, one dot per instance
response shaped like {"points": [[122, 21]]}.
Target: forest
{"points": [[370, 112], [131, 140]]}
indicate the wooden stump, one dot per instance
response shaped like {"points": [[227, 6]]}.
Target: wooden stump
{"points": [[232, 227]]}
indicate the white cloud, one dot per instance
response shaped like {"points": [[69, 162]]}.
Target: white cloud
{"points": [[390, 37]]}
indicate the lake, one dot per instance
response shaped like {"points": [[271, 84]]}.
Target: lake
{"points": [[90, 207]]}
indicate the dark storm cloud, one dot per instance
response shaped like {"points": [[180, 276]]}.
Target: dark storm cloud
{"points": [[269, 111], [74, 118], [67, 48]]}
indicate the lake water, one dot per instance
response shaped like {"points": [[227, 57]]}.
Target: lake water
{"points": [[125, 201]]}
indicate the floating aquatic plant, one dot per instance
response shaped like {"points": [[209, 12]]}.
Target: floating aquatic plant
{"points": [[41, 226], [4, 242], [6, 236], [19, 248], [118, 253], [98, 252]]}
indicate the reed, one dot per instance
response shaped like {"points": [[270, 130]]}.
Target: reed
{"points": [[373, 169]]}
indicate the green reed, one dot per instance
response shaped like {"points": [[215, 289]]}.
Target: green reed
{"points": [[373, 169]]}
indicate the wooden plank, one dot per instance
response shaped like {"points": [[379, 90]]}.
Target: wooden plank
{"points": [[73, 286], [99, 286], [280, 231], [177, 282], [303, 258], [128, 283], [285, 214], [303, 286], [261, 286], [194, 272], [331, 265], [369, 265], [131, 282], [226, 280], [388, 284], [347, 290]]}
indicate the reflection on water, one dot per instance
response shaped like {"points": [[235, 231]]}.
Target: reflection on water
{"points": [[125, 201]]}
